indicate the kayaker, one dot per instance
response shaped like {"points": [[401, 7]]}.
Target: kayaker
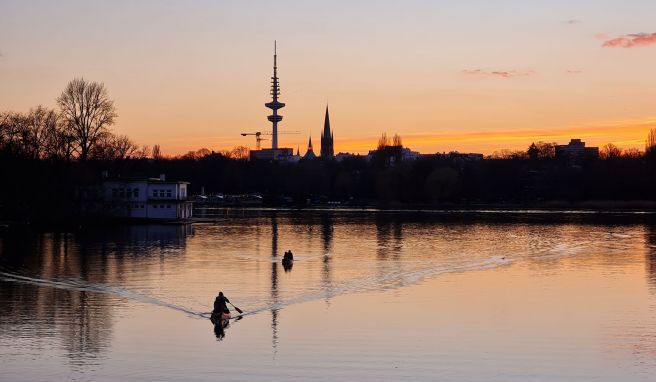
{"points": [[289, 256], [220, 304]]}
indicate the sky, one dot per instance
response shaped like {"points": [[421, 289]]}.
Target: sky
{"points": [[468, 75]]}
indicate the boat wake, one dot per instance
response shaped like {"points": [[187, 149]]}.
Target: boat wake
{"points": [[86, 286], [388, 281]]}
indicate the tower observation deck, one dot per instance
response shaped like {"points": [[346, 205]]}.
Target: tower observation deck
{"points": [[274, 105]]}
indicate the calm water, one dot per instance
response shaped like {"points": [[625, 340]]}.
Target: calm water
{"points": [[371, 296]]}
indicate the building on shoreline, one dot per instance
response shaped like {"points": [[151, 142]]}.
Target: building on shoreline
{"points": [[146, 199], [576, 149]]}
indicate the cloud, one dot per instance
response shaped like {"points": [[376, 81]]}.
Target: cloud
{"points": [[499, 73], [572, 22], [574, 71], [631, 41]]}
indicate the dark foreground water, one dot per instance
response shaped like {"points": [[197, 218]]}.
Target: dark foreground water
{"points": [[371, 297]]}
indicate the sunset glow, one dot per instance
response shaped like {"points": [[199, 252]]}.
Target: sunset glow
{"points": [[468, 76]]}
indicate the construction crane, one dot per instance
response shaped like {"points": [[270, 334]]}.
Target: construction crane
{"points": [[258, 138], [259, 134]]}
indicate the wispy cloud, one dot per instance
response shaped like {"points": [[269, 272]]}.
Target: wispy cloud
{"points": [[499, 73], [574, 71], [572, 22], [631, 41]]}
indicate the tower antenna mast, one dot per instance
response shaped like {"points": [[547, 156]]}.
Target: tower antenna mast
{"points": [[274, 105]]}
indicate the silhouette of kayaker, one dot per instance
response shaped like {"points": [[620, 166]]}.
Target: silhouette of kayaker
{"points": [[288, 260]]}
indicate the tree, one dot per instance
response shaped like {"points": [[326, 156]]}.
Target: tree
{"points": [[396, 141], [240, 153], [383, 141], [88, 113], [610, 151], [157, 152], [632, 153], [650, 146]]}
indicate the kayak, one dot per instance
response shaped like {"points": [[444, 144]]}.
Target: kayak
{"points": [[222, 320]]}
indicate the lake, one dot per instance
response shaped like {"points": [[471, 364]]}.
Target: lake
{"points": [[371, 296]]}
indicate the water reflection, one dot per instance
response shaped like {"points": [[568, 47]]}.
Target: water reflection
{"points": [[336, 254], [274, 281], [327, 241], [650, 256], [82, 321]]}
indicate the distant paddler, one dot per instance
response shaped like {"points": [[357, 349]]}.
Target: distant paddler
{"points": [[288, 260]]}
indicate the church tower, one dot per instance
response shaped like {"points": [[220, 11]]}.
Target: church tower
{"points": [[327, 147], [309, 154]]}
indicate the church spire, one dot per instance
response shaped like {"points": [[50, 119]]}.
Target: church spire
{"points": [[309, 154], [327, 146]]}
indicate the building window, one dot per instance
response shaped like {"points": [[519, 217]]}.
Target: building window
{"points": [[114, 192], [128, 193], [121, 192], [155, 206], [168, 193], [154, 193], [168, 206], [136, 192]]}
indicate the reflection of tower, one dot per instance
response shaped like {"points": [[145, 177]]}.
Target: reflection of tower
{"points": [[274, 280], [650, 257], [327, 147], [274, 104], [327, 238]]}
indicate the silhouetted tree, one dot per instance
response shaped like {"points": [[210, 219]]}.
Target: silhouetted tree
{"points": [[632, 153], [383, 141], [542, 150], [157, 152], [88, 112], [650, 145], [610, 151], [240, 153], [396, 141]]}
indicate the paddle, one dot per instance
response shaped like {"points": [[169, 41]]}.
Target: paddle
{"points": [[237, 309]]}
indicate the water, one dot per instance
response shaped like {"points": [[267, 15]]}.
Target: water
{"points": [[371, 296]]}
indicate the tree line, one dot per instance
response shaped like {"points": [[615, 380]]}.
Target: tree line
{"points": [[78, 130], [48, 155]]}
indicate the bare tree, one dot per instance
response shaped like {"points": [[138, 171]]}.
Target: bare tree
{"points": [[240, 153], [61, 143], [632, 153], [383, 141], [650, 146], [124, 147], [142, 153], [40, 126], [509, 154], [88, 111], [396, 141], [157, 152], [610, 151]]}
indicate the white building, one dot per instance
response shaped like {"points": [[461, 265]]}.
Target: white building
{"points": [[152, 199]]}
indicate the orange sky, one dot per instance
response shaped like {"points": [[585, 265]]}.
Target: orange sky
{"points": [[471, 76]]}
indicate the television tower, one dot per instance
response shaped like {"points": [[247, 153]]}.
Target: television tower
{"points": [[274, 104]]}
